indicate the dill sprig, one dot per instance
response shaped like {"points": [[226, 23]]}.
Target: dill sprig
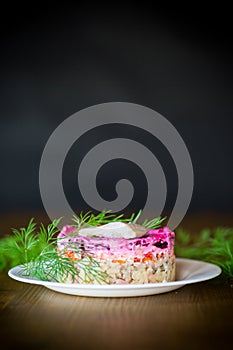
{"points": [[26, 244], [36, 251], [51, 266], [105, 217], [154, 223], [210, 245]]}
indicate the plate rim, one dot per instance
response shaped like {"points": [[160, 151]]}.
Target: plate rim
{"points": [[216, 271]]}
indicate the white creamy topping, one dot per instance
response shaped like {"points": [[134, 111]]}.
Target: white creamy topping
{"points": [[114, 230]]}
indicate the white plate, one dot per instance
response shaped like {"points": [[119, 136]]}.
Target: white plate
{"points": [[187, 271]]}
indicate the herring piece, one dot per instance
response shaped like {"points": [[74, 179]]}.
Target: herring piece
{"points": [[114, 230]]}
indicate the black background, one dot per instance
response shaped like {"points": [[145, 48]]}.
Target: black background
{"points": [[55, 62]]}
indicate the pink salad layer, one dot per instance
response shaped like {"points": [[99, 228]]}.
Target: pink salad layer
{"points": [[153, 244]]}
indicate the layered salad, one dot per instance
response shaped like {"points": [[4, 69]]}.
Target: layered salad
{"points": [[126, 252]]}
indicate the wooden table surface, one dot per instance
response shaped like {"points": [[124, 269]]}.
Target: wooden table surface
{"points": [[197, 316]]}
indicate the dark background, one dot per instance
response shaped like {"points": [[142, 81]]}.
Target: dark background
{"points": [[55, 62]]}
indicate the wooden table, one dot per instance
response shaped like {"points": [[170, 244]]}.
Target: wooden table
{"points": [[198, 316]]}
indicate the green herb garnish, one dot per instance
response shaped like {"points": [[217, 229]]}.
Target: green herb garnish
{"points": [[105, 217], [36, 250], [210, 245]]}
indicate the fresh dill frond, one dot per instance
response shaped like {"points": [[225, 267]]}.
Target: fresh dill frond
{"points": [[58, 267], [104, 217], [135, 217], [210, 245], [36, 250], [154, 223], [18, 248], [26, 243], [25, 240]]}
